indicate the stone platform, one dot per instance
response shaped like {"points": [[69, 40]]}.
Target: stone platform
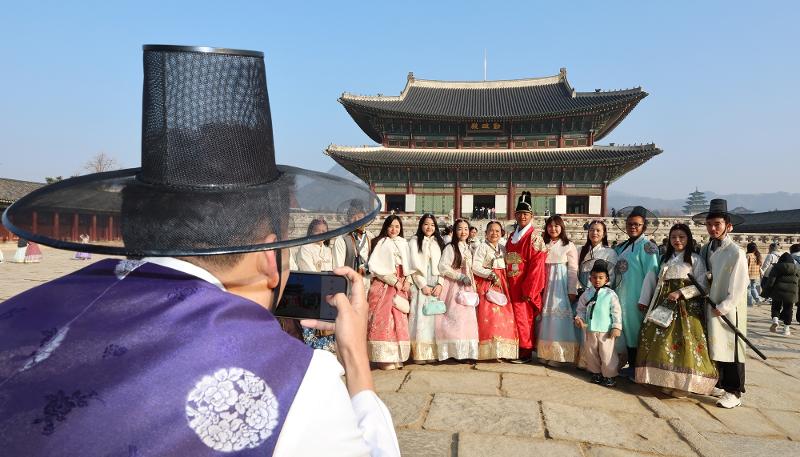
{"points": [[499, 409]]}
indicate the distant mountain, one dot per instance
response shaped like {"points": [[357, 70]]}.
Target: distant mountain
{"points": [[340, 171], [752, 202]]}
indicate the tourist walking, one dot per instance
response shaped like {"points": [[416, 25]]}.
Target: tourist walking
{"points": [[19, 254], [636, 257], [782, 287], [673, 346], [83, 255], [727, 263], [525, 258], [557, 339], [457, 328], [497, 331], [754, 274], [316, 258], [387, 332], [425, 251], [599, 314], [770, 259]]}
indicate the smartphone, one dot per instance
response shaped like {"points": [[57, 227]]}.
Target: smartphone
{"points": [[304, 295]]}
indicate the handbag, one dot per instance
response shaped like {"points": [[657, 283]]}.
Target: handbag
{"points": [[401, 303], [467, 298], [433, 306], [496, 297], [661, 316]]}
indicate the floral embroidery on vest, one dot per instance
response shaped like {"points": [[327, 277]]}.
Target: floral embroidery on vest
{"points": [[51, 341], [114, 350], [59, 405], [232, 409]]}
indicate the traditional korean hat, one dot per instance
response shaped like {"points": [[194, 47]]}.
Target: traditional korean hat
{"points": [[718, 207], [649, 217], [207, 167], [600, 266], [524, 203]]}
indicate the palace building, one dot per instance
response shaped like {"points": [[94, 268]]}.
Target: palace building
{"points": [[456, 146]]}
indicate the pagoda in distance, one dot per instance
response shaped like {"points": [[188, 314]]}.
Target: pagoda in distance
{"points": [[451, 147], [696, 203]]}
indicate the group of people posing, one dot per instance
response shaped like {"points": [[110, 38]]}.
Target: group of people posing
{"points": [[535, 295]]}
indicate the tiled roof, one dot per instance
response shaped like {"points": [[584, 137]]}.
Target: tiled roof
{"points": [[787, 221], [493, 158], [12, 190], [513, 99]]}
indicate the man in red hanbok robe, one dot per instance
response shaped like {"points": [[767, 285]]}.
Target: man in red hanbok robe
{"points": [[525, 259]]}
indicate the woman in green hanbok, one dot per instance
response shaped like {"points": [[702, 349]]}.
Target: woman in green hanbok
{"points": [[673, 348]]}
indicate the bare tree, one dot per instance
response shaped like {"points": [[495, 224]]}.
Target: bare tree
{"points": [[101, 162]]}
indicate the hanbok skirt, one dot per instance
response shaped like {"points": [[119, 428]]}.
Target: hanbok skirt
{"points": [[387, 328], [32, 253], [558, 338], [677, 356], [497, 331], [457, 329], [19, 255], [422, 328], [317, 339], [82, 256]]}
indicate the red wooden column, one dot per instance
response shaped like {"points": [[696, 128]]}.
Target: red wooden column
{"points": [[510, 204], [604, 200], [74, 231], [35, 223], [457, 202], [56, 227], [93, 233], [591, 137], [110, 228]]}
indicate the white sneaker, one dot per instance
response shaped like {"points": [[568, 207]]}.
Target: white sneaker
{"points": [[786, 331], [774, 327], [729, 401], [717, 392]]}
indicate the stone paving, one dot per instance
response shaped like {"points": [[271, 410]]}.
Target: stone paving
{"points": [[499, 409]]}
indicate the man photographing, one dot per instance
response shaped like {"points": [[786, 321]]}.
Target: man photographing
{"points": [[173, 351]]}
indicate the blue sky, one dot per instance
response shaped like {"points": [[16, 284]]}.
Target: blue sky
{"points": [[722, 75]]}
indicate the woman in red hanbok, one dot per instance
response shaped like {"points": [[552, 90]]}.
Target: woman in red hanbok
{"points": [[387, 328], [497, 332]]}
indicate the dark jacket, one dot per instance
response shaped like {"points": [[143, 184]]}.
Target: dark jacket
{"points": [[784, 280]]}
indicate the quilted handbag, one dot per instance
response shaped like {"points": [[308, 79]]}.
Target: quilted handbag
{"points": [[433, 306], [661, 316], [467, 298], [496, 297]]}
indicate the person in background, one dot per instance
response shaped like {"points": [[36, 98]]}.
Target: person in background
{"points": [[783, 287], [473, 241], [388, 338], [447, 234], [727, 265], [316, 256], [794, 250], [352, 250], [557, 340], [754, 273], [497, 331], [770, 259], [425, 251], [596, 247], [457, 328]]}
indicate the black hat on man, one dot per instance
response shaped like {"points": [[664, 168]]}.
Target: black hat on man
{"points": [[524, 204], [208, 181], [718, 207]]}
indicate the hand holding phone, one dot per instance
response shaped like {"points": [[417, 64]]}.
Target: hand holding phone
{"points": [[304, 296]]}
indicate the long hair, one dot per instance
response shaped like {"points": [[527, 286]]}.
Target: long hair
{"points": [[753, 249], [687, 251], [588, 246], [436, 235], [314, 223], [385, 230], [457, 259], [559, 222]]}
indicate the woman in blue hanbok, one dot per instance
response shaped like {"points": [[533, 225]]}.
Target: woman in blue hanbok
{"points": [[558, 339]]}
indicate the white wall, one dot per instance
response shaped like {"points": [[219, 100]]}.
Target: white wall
{"points": [[382, 198], [466, 205], [561, 204], [411, 203], [501, 204], [595, 205]]}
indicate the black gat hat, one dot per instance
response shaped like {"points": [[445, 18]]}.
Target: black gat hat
{"points": [[208, 181], [718, 207]]}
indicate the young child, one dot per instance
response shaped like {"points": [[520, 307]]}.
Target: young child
{"points": [[600, 315]]}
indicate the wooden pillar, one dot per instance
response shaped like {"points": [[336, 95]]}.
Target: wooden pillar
{"points": [[110, 228], [93, 233], [591, 137], [510, 204], [604, 200], [510, 135], [74, 232], [561, 134], [56, 227], [409, 187], [457, 202], [35, 223]]}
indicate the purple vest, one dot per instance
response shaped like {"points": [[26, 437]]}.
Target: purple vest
{"points": [[130, 359]]}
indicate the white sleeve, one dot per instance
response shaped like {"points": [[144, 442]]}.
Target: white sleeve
{"points": [[477, 262], [648, 288], [341, 426], [572, 269], [305, 258], [737, 285], [446, 264], [580, 311], [339, 252]]}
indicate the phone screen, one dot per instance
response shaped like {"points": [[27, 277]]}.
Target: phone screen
{"points": [[304, 296]]}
